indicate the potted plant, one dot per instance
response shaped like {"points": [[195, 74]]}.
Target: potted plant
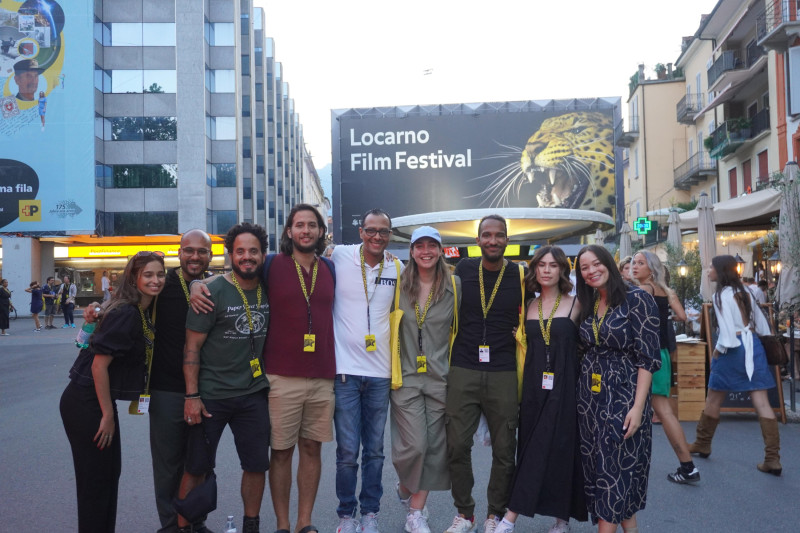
{"points": [[708, 142], [661, 71]]}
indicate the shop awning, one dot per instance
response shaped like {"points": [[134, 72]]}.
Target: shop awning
{"points": [[751, 211]]}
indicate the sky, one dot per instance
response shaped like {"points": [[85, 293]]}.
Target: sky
{"points": [[367, 53]]}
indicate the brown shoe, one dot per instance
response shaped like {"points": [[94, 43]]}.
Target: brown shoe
{"points": [[772, 447], [706, 428]]}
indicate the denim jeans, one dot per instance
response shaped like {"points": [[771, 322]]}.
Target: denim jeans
{"points": [[362, 404], [68, 313]]}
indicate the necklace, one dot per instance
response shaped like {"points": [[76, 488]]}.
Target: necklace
{"points": [[364, 279], [183, 284]]}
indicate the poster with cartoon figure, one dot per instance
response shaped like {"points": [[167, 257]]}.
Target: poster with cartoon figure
{"points": [[46, 130]]}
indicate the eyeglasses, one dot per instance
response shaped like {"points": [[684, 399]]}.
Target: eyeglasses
{"points": [[147, 253], [202, 252], [371, 232]]}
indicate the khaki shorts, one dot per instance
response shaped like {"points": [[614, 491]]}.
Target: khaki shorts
{"points": [[300, 407]]}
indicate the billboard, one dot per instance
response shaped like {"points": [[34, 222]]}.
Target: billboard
{"points": [[46, 116], [558, 153]]}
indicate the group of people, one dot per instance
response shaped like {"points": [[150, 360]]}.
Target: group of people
{"points": [[287, 347], [47, 298]]}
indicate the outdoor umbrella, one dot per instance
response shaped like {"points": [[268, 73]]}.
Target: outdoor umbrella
{"points": [[625, 248], [789, 239], [599, 237], [674, 232], [707, 237]]}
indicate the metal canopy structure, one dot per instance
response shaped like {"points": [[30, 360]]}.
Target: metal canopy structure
{"points": [[460, 227]]}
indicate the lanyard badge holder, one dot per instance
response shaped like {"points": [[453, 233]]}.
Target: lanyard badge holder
{"points": [[141, 406], [483, 350], [255, 362]]}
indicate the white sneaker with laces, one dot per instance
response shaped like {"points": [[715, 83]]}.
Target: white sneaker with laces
{"points": [[559, 527], [369, 523], [460, 525], [417, 523], [490, 525], [348, 524], [504, 527]]}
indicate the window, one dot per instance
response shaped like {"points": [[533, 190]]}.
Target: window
{"points": [[143, 223], [141, 81], [245, 105], [259, 164], [732, 182], [219, 222], [245, 64], [714, 195], [221, 128], [220, 34], [221, 81], [247, 147], [259, 127], [139, 176], [260, 200], [139, 34], [747, 185], [259, 92], [259, 56], [763, 167], [636, 163], [102, 176], [271, 177], [221, 174], [141, 129], [245, 23], [247, 188]]}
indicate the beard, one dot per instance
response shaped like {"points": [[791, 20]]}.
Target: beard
{"points": [[245, 275], [311, 248]]}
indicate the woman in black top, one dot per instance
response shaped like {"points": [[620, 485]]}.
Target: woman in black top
{"points": [[113, 367]]}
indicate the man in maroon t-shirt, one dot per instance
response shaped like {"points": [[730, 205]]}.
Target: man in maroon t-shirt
{"points": [[300, 362]]}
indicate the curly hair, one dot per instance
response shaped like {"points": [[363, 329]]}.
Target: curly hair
{"points": [[246, 227]]}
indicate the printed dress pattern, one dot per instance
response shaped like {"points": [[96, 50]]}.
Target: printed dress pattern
{"points": [[616, 470]]}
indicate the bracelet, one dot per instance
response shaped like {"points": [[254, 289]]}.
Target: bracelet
{"points": [[195, 396], [195, 281]]}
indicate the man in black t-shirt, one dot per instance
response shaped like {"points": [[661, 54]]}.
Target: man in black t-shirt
{"points": [[483, 377]]}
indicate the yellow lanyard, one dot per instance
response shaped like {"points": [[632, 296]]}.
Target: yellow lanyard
{"points": [[364, 278], [149, 335], [246, 305], [545, 327], [183, 285], [307, 294], [421, 319], [597, 325], [484, 306]]}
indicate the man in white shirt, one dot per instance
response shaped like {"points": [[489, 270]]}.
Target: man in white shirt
{"points": [[365, 289], [104, 283], [759, 295]]}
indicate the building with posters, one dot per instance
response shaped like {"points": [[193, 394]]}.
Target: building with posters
{"points": [[425, 159], [178, 117]]}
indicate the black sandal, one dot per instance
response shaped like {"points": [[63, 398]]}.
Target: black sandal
{"points": [[307, 529]]}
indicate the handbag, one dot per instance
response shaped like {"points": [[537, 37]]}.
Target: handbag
{"points": [[520, 336], [394, 324], [773, 347], [200, 501]]}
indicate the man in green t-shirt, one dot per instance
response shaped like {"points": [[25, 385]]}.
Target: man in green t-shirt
{"points": [[225, 381]]}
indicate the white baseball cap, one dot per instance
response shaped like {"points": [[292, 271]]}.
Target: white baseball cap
{"points": [[426, 231]]}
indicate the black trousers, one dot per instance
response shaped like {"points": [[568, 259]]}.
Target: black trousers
{"points": [[96, 471]]}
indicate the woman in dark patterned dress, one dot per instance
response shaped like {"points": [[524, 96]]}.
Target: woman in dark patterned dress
{"points": [[620, 329], [548, 479]]}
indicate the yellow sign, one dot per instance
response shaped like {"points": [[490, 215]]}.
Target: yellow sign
{"points": [[125, 251], [30, 210], [511, 250]]}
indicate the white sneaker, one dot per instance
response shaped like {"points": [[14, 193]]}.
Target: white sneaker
{"points": [[369, 523], [348, 525], [559, 527], [504, 527], [490, 525], [417, 523], [460, 525]]}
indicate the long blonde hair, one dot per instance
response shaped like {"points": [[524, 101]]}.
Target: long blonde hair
{"points": [[656, 270], [409, 280]]}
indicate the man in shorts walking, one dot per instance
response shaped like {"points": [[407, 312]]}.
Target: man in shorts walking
{"points": [[225, 382]]}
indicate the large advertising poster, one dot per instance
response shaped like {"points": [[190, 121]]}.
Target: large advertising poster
{"points": [[438, 162], [46, 116]]}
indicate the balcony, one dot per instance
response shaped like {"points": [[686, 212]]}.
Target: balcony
{"points": [[688, 107], [778, 24], [735, 132], [626, 137], [697, 168], [734, 61]]}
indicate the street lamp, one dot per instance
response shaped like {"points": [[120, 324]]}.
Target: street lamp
{"points": [[739, 265], [683, 268], [774, 263]]}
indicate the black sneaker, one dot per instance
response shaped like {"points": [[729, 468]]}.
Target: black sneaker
{"points": [[683, 478]]}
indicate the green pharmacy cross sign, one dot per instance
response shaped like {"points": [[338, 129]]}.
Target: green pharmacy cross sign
{"points": [[642, 225]]}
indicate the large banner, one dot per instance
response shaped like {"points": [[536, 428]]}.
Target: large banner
{"points": [[439, 162], [47, 120]]}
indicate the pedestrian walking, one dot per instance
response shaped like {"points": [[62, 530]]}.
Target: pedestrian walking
{"points": [[36, 303]]}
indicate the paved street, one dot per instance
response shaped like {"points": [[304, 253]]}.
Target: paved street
{"points": [[37, 490]]}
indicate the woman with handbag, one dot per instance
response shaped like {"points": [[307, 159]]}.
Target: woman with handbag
{"points": [[619, 326], [429, 296], [648, 273], [548, 479], [112, 368], [738, 363]]}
